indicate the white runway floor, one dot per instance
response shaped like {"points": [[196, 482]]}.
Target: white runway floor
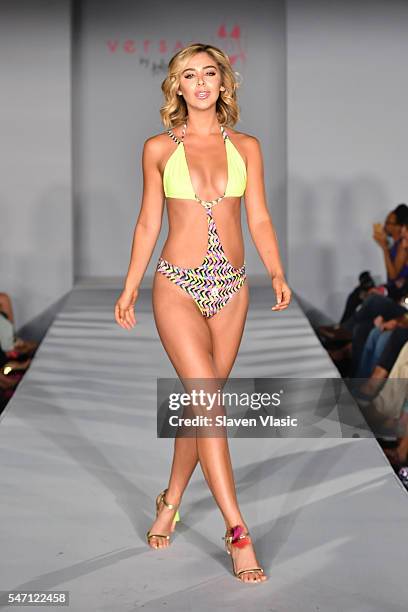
{"points": [[81, 466]]}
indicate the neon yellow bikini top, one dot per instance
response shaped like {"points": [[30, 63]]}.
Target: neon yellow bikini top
{"points": [[176, 176]]}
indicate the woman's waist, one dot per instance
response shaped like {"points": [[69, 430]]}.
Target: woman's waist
{"points": [[209, 265], [213, 261], [209, 270], [191, 253]]}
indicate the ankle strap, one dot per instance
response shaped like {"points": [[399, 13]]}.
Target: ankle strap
{"points": [[162, 494], [237, 536]]}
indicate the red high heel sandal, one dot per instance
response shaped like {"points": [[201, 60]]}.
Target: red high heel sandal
{"points": [[236, 536]]}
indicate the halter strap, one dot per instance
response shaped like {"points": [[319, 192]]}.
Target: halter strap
{"points": [[174, 137]]}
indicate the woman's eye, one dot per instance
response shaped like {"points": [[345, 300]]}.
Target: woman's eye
{"points": [[208, 73]]}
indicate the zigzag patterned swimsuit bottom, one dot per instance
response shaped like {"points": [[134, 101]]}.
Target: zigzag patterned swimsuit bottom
{"points": [[212, 284]]}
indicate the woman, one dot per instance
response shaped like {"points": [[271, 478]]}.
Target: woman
{"points": [[396, 265], [200, 305], [390, 408], [395, 256]]}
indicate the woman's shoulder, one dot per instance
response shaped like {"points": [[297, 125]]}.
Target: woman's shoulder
{"points": [[247, 143], [157, 140], [157, 145], [243, 138]]}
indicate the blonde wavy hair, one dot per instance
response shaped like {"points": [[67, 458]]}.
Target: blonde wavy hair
{"points": [[174, 110]]}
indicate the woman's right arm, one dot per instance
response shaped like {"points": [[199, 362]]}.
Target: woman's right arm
{"points": [[393, 266], [149, 221], [145, 235]]}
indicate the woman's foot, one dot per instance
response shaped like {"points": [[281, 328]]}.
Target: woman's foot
{"points": [[243, 557], [164, 523]]}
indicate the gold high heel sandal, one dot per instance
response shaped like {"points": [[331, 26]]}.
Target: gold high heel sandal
{"points": [[236, 536], [161, 498]]}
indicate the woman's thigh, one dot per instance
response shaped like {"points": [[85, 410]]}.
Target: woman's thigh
{"points": [[198, 347], [381, 343], [183, 330], [226, 329]]}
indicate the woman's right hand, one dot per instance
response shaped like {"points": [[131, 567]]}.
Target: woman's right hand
{"points": [[390, 325], [125, 308], [381, 238]]}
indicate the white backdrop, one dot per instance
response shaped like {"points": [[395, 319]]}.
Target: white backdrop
{"points": [[347, 140], [36, 250], [117, 77]]}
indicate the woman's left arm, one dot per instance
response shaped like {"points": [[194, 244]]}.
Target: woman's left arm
{"points": [[260, 223]]}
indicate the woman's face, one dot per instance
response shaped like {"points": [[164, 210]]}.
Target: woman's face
{"points": [[391, 227], [200, 74]]}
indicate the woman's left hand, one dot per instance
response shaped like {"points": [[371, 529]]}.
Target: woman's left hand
{"points": [[282, 292]]}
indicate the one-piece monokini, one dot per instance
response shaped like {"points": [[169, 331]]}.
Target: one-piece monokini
{"points": [[216, 280]]}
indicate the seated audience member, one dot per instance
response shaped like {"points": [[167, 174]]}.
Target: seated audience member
{"points": [[380, 347], [374, 346], [396, 264], [357, 327], [390, 407], [356, 297], [11, 371], [387, 359], [13, 346], [395, 256]]}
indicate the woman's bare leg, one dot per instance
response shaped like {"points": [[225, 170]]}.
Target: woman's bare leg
{"points": [[186, 339], [226, 329], [224, 350], [201, 348]]}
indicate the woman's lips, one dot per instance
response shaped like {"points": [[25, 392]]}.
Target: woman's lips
{"points": [[202, 95]]}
